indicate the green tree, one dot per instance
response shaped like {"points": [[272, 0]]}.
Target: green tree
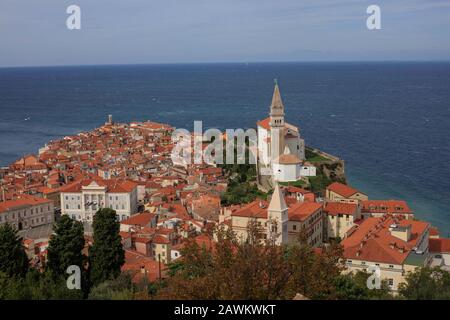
{"points": [[13, 258], [106, 256], [354, 287], [65, 246], [426, 284], [120, 288]]}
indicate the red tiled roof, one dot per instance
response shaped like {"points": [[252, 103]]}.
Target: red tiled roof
{"points": [[142, 219], [342, 189], [24, 200], [302, 210], [253, 210], [378, 244], [385, 206], [264, 123], [335, 208], [112, 186], [160, 239], [441, 245]]}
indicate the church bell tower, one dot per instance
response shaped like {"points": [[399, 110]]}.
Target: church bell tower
{"points": [[276, 124]]}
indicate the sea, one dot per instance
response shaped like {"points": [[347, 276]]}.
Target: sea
{"points": [[389, 121]]}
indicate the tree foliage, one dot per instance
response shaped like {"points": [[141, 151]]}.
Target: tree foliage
{"points": [[13, 258], [426, 284], [253, 269], [66, 245], [106, 256]]}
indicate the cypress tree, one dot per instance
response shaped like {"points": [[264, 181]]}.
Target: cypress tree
{"points": [[65, 246], [106, 256], [13, 258]]}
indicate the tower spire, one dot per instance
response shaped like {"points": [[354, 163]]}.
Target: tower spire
{"points": [[276, 107], [277, 202]]}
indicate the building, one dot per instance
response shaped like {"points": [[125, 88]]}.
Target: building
{"points": [[81, 199], [281, 150], [277, 220], [339, 192], [393, 244], [440, 250], [340, 217], [378, 208], [27, 212]]}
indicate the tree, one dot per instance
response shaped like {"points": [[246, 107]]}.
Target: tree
{"points": [[426, 284], [106, 256], [354, 287], [120, 288], [251, 269], [65, 246], [13, 258]]}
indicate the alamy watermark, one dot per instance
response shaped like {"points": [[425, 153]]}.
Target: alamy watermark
{"points": [[73, 22]]}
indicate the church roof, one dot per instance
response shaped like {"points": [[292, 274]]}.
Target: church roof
{"points": [[288, 158], [265, 125], [277, 202]]}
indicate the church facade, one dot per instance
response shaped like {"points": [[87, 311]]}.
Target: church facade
{"points": [[281, 149]]}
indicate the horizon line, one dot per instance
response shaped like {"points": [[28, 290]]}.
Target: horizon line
{"points": [[226, 62]]}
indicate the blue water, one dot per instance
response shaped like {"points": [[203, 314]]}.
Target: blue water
{"points": [[389, 121]]}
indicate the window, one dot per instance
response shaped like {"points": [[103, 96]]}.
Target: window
{"points": [[67, 198], [79, 207], [294, 227], [67, 206], [391, 266], [363, 262], [391, 282]]}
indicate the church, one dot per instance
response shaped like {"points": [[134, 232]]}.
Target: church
{"points": [[281, 149]]}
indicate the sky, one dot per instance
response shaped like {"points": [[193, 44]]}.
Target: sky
{"points": [[34, 33]]}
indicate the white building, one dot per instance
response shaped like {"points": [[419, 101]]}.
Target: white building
{"points": [[281, 150], [81, 200]]}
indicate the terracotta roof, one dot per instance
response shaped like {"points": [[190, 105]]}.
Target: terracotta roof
{"points": [[159, 239], [440, 245], [434, 231], [255, 209], [23, 201], [264, 123], [335, 208], [300, 211], [288, 159], [342, 189], [385, 206], [142, 219], [373, 241], [112, 186]]}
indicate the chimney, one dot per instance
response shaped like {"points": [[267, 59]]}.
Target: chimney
{"points": [[402, 232]]}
